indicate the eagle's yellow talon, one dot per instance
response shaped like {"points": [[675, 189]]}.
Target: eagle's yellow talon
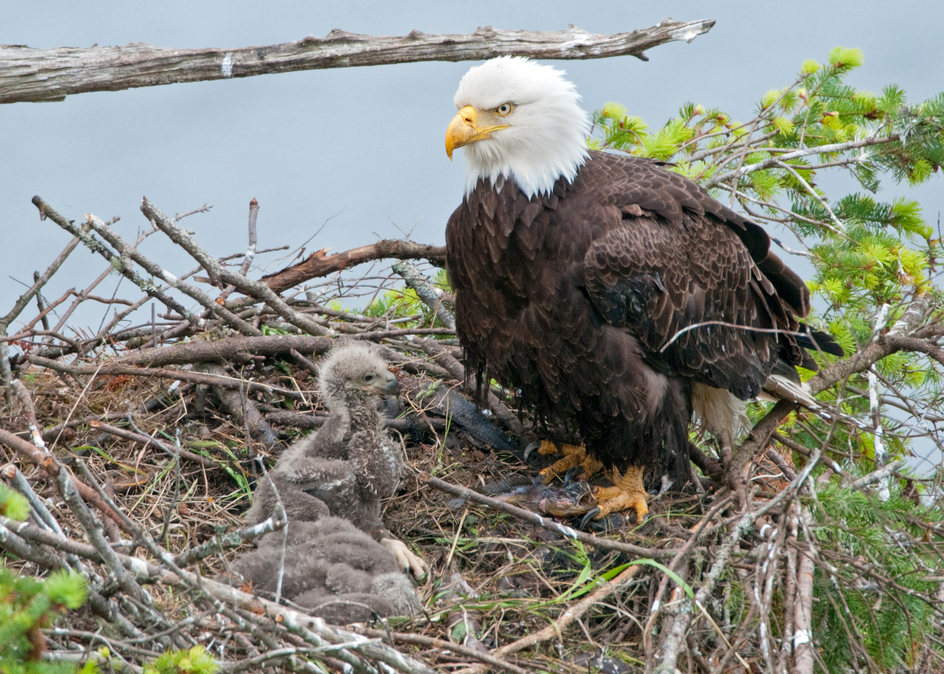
{"points": [[548, 448], [574, 455], [628, 492]]}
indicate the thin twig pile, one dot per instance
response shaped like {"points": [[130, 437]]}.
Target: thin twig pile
{"points": [[138, 448]]}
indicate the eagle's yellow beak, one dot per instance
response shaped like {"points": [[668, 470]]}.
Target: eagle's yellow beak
{"points": [[469, 126]]}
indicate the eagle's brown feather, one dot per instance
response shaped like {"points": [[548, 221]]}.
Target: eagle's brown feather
{"points": [[569, 298]]}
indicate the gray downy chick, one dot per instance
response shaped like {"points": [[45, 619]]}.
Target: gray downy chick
{"points": [[333, 569], [351, 463]]}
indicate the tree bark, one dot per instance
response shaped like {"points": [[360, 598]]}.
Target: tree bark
{"points": [[320, 263], [52, 74]]}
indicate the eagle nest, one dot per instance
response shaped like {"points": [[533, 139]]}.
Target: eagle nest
{"points": [[131, 455]]}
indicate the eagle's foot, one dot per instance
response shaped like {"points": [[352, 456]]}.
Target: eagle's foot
{"points": [[587, 469], [406, 559], [628, 492], [548, 448], [573, 455]]}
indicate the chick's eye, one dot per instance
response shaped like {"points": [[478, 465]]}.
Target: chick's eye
{"points": [[368, 377], [504, 109]]}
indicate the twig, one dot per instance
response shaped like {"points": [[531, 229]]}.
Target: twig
{"points": [[820, 149], [430, 294], [319, 264], [547, 523], [802, 638], [156, 270], [880, 476], [43, 516], [250, 251], [182, 375], [422, 640], [90, 242], [220, 274], [6, 374], [48, 463], [27, 402], [93, 530], [38, 284], [151, 440], [242, 409], [556, 629], [232, 539], [895, 340], [238, 349]]}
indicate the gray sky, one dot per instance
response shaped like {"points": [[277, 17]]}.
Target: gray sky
{"points": [[363, 147]]}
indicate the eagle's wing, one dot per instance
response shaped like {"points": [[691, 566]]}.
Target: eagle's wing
{"points": [[686, 283]]}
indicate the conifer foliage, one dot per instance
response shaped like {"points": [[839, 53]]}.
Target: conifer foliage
{"points": [[874, 263]]}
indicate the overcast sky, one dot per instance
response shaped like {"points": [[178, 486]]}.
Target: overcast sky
{"points": [[362, 148]]}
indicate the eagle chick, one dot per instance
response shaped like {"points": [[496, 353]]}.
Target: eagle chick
{"points": [[331, 568], [350, 464]]}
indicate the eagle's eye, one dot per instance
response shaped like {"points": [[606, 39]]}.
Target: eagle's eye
{"points": [[504, 109], [368, 377]]}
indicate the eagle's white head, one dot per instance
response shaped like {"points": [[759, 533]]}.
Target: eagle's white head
{"points": [[518, 119]]}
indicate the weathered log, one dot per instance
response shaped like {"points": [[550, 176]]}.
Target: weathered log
{"points": [[52, 74]]}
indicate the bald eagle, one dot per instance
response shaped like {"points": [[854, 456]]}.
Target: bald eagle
{"points": [[612, 294]]}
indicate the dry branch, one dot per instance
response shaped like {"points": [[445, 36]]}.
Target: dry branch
{"points": [[94, 245], [243, 410], [320, 263], [182, 375], [52, 74], [52, 467], [548, 523], [912, 318], [229, 349], [556, 629], [220, 274]]}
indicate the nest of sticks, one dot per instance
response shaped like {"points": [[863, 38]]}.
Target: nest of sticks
{"points": [[138, 448]]}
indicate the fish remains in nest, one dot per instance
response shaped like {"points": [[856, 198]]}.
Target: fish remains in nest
{"points": [[574, 499]]}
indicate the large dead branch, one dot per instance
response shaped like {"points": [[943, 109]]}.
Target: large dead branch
{"points": [[235, 349], [52, 74]]}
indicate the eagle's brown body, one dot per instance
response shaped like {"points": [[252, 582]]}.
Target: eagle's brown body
{"points": [[572, 300]]}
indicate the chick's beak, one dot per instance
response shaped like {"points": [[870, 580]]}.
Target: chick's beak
{"points": [[469, 126], [385, 384], [391, 385]]}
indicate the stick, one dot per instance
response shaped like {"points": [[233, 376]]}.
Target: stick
{"points": [[48, 463], [547, 523], [219, 273], [430, 294], [556, 629], [319, 264]]}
